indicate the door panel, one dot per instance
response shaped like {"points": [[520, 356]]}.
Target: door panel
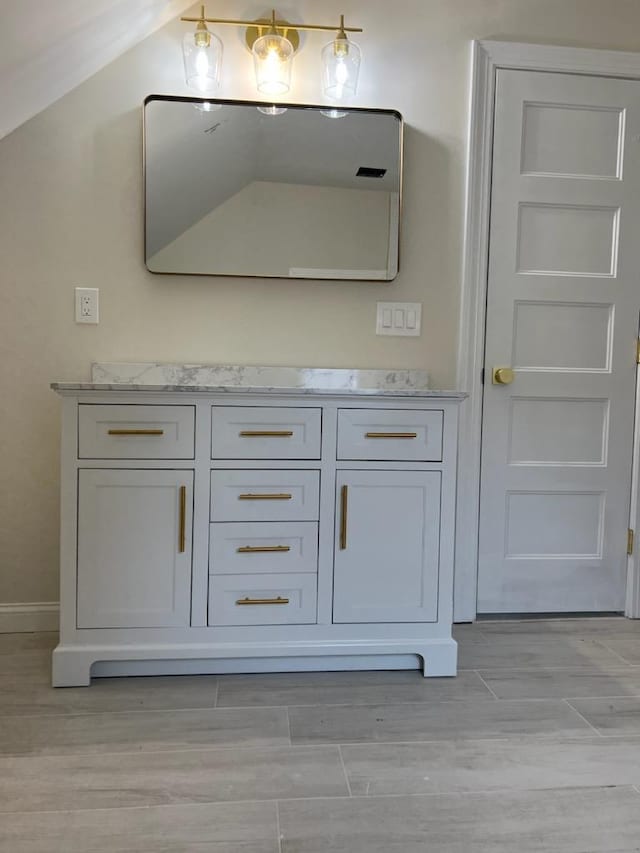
{"points": [[387, 546], [133, 569], [555, 335], [562, 311], [567, 139], [555, 239]]}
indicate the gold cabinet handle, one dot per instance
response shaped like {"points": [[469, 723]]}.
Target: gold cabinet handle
{"points": [[502, 376], [136, 432], [263, 549], [278, 600], [261, 433], [343, 517], [391, 435], [182, 527], [277, 497]]}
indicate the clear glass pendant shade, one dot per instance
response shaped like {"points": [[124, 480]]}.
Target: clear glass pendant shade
{"points": [[272, 57], [334, 113], [272, 110], [202, 52], [340, 68]]}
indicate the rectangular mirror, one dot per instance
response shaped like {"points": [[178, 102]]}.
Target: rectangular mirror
{"points": [[236, 188]]}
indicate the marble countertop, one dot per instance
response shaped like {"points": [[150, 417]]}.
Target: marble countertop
{"points": [[257, 389], [113, 376]]}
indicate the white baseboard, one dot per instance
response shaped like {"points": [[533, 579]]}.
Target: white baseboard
{"points": [[25, 616]]}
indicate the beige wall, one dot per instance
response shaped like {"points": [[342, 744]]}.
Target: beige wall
{"points": [[70, 214]]}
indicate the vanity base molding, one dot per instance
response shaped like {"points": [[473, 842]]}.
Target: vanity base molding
{"points": [[208, 532], [73, 666]]}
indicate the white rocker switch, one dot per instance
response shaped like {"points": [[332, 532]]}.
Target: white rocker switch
{"points": [[399, 318]]}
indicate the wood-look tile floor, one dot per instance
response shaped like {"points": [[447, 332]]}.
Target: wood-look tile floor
{"points": [[535, 746]]}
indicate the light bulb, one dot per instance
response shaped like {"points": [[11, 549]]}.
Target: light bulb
{"points": [[272, 56], [342, 77], [202, 68], [271, 69], [342, 72]]}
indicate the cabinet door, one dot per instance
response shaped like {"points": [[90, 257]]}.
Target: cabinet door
{"points": [[134, 548], [387, 546]]}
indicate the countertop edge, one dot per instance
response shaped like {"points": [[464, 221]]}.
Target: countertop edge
{"points": [[71, 387]]}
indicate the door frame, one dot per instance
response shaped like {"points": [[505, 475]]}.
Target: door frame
{"points": [[486, 58]]}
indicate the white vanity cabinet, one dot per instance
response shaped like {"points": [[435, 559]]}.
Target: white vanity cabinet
{"points": [[217, 531]]}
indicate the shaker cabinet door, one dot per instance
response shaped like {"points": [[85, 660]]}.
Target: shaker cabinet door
{"points": [[134, 548], [387, 546]]}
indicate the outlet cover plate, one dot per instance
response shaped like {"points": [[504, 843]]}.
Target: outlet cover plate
{"points": [[399, 318], [86, 301]]}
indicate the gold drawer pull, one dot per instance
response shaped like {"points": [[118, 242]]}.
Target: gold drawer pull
{"points": [[343, 517], [391, 435], [182, 529], [263, 549], [252, 497], [278, 600], [136, 432], [261, 433]]}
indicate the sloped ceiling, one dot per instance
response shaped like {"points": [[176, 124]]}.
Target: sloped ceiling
{"points": [[48, 47]]}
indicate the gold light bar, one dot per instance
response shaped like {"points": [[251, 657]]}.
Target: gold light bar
{"points": [[272, 23]]}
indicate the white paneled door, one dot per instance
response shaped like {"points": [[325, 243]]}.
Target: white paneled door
{"points": [[562, 315]]}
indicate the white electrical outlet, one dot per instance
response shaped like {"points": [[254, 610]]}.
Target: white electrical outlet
{"points": [[399, 318], [86, 304]]}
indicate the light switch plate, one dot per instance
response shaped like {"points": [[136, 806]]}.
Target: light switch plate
{"points": [[399, 318]]}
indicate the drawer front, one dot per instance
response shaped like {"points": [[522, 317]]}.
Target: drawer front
{"points": [[262, 599], [136, 432], [265, 495], [263, 547], [390, 434], [255, 432]]}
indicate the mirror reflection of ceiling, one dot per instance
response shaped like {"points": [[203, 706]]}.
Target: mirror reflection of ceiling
{"points": [[208, 156], [197, 160]]}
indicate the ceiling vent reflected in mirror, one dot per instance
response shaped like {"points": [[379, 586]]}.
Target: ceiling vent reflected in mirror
{"points": [[370, 172]]}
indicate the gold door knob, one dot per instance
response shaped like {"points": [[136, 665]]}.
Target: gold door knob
{"points": [[502, 376]]}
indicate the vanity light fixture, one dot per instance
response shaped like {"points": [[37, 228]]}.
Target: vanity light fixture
{"points": [[273, 43], [202, 53], [272, 60], [341, 66]]}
